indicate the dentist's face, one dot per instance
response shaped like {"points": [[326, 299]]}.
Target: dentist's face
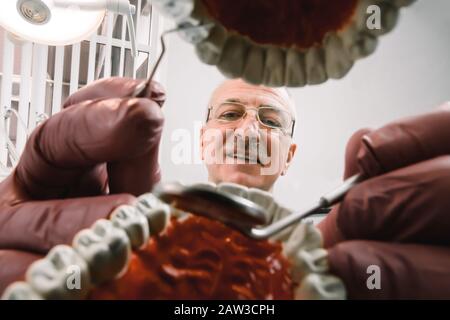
{"points": [[238, 148]]}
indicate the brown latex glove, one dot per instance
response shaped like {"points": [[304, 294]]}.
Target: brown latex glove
{"points": [[406, 142], [13, 265], [397, 220], [77, 167]]}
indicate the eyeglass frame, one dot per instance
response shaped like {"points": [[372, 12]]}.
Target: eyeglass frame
{"points": [[257, 116]]}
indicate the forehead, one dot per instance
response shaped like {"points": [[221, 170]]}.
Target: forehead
{"points": [[252, 94]]}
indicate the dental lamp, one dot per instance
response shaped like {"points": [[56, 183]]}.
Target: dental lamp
{"points": [[61, 22]]}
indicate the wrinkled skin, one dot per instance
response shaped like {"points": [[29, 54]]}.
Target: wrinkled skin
{"points": [[97, 154], [279, 147], [101, 151], [398, 219]]}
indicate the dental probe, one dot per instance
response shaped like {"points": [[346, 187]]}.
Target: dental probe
{"points": [[240, 213], [141, 89]]}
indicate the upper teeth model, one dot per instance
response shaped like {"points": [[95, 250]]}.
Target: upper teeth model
{"points": [[287, 42], [185, 259]]}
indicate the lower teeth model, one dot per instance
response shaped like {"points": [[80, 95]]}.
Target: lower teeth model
{"points": [[142, 253], [283, 43]]}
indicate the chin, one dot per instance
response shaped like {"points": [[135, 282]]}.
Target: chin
{"points": [[248, 179]]}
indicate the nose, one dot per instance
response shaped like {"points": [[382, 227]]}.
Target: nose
{"points": [[250, 124]]}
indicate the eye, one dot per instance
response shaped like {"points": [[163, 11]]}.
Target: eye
{"points": [[230, 115], [271, 122]]}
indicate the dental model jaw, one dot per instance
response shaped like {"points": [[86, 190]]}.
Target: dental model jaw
{"points": [[156, 212], [47, 275], [185, 247], [21, 291], [98, 254], [106, 248], [134, 223], [286, 43], [310, 270], [302, 246]]}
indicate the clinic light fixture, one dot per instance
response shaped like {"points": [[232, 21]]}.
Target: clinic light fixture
{"points": [[62, 22]]}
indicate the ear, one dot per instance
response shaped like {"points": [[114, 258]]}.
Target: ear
{"points": [[291, 153]]}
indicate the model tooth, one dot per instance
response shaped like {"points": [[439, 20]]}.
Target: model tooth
{"points": [[361, 15], [265, 200], [295, 68], [148, 201], [254, 66], [388, 17], [62, 274], [197, 17], [305, 237], [20, 291], [305, 262], [357, 41], [337, 60], [362, 24], [206, 185], [193, 33], [321, 287], [279, 213], [175, 9], [315, 66], [349, 35], [200, 11], [105, 248], [233, 57], [233, 188], [274, 69], [364, 44], [210, 50], [157, 213], [134, 223]]}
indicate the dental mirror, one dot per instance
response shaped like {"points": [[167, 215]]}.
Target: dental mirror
{"points": [[201, 200], [240, 213]]}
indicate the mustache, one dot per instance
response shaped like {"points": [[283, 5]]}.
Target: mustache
{"points": [[249, 149]]}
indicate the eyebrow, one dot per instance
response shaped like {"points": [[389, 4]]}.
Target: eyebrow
{"points": [[235, 100]]}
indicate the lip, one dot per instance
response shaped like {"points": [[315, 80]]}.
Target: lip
{"points": [[246, 158]]}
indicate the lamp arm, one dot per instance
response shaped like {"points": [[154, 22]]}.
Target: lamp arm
{"points": [[122, 7]]}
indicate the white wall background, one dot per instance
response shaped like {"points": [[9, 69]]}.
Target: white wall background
{"points": [[408, 74]]}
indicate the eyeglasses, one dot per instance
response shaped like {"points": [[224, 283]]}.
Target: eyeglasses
{"points": [[268, 116]]}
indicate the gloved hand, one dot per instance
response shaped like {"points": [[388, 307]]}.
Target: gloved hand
{"points": [[398, 219], [77, 167]]}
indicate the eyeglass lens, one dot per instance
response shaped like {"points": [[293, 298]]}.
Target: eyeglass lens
{"points": [[268, 116]]}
